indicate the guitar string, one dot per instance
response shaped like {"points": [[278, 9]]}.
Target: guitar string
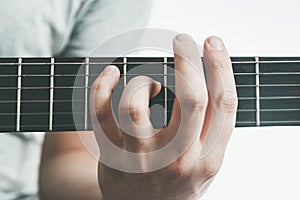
{"points": [[70, 87], [250, 62], [162, 112], [146, 74], [169, 100], [169, 86], [45, 127], [238, 110], [137, 63], [158, 99]]}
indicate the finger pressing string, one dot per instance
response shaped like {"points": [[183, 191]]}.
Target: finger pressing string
{"points": [[101, 108], [134, 113]]}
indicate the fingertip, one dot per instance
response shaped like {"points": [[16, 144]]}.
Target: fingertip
{"points": [[156, 87], [108, 79], [111, 74], [215, 53], [183, 38], [214, 43], [111, 70]]}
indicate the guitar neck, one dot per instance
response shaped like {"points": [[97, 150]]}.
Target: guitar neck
{"points": [[52, 94]]}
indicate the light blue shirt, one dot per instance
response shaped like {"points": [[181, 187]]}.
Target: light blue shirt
{"points": [[35, 28]]}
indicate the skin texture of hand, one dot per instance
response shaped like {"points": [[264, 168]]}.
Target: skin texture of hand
{"points": [[199, 108]]}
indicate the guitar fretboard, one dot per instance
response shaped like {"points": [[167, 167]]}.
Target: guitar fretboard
{"points": [[41, 94]]}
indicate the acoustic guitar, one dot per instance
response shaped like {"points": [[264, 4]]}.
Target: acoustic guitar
{"points": [[37, 94]]}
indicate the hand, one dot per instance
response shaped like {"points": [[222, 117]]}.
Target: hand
{"points": [[203, 115]]}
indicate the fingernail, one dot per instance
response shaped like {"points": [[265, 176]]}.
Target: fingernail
{"points": [[184, 38], [215, 43], [109, 70], [157, 82]]}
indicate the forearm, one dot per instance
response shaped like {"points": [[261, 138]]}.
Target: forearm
{"points": [[72, 175], [67, 170]]}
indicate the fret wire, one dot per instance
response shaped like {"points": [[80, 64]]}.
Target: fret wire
{"points": [[51, 94], [166, 92], [18, 120], [125, 71], [141, 63], [87, 71], [257, 92]]}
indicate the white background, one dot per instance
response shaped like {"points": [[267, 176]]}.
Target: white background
{"points": [[260, 163]]}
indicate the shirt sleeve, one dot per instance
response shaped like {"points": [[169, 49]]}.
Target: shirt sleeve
{"points": [[104, 19]]}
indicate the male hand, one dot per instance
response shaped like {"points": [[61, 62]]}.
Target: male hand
{"points": [[203, 117]]}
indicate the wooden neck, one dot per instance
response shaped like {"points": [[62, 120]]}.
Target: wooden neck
{"points": [[44, 94]]}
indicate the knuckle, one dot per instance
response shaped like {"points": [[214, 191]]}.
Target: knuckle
{"points": [[194, 104], [136, 112], [101, 115], [224, 63], [228, 101], [180, 168], [210, 168], [135, 144], [101, 108], [103, 96]]}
